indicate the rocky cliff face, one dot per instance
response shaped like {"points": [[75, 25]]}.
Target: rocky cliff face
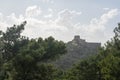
{"points": [[77, 49]]}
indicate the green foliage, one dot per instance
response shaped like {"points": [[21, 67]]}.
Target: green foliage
{"points": [[25, 59], [85, 70], [110, 61], [104, 66], [12, 41], [22, 58], [52, 47]]}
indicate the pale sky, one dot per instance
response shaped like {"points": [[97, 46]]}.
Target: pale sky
{"points": [[93, 20]]}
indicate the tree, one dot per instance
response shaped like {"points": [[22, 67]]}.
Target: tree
{"points": [[35, 55], [104, 66], [85, 70], [53, 49], [25, 59], [111, 62], [11, 38]]}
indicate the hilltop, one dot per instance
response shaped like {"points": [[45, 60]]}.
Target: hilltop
{"points": [[77, 49]]}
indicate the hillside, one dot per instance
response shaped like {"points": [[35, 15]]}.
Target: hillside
{"points": [[77, 49]]}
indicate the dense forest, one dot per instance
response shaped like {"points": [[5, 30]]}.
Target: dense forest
{"points": [[22, 58]]}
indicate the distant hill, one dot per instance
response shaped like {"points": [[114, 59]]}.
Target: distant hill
{"points": [[77, 49]]}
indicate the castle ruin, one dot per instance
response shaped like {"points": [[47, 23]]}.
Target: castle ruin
{"points": [[77, 49], [81, 42]]}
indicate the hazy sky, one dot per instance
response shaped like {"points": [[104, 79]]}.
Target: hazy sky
{"points": [[93, 20]]}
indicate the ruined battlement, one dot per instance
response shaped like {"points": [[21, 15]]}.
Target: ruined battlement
{"points": [[80, 41], [77, 38]]}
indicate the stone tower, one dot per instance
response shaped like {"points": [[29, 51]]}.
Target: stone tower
{"points": [[78, 40], [77, 37]]}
